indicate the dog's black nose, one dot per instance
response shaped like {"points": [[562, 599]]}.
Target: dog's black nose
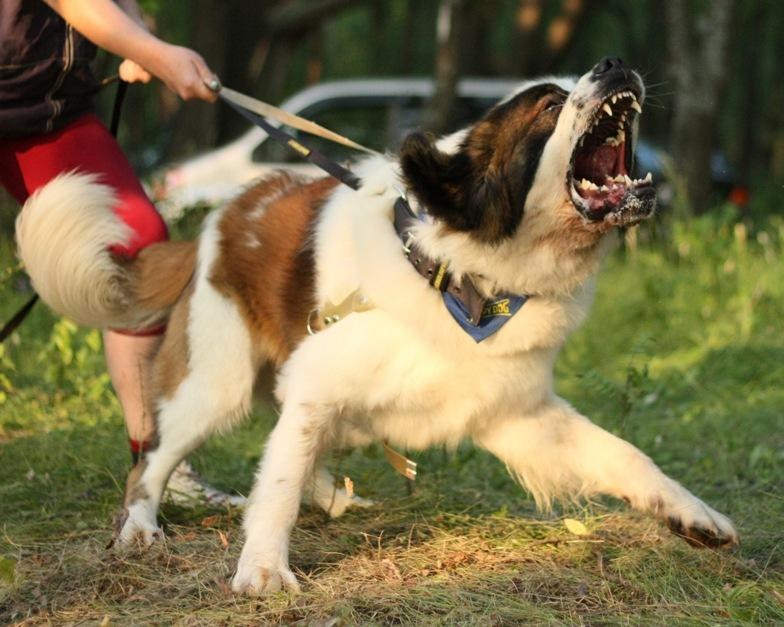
{"points": [[607, 64]]}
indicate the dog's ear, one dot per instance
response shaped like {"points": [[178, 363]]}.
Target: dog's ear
{"points": [[466, 194]]}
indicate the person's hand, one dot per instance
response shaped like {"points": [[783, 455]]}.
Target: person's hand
{"points": [[132, 72], [185, 73]]}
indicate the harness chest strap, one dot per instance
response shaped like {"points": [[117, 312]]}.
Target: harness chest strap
{"points": [[322, 317]]}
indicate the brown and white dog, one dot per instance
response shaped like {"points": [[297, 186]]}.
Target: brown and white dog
{"points": [[525, 201]]}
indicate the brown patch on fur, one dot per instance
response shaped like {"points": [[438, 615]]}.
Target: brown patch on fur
{"points": [[161, 272], [172, 359], [134, 491], [482, 188], [266, 259]]}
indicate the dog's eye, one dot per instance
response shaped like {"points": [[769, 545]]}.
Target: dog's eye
{"points": [[550, 102], [553, 103]]}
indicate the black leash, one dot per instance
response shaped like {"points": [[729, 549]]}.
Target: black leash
{"points": [[344, 175], [463, 300], [119, 97], [17, 318]]}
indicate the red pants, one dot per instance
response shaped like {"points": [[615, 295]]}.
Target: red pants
{"points": [[85, 145]]}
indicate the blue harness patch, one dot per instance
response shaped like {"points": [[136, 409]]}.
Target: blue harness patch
{"points": [[496, 314]]}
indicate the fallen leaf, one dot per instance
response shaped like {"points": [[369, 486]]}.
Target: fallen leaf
{"points": [[224, 540], [210, 521], [576, 527], [7, 569]]}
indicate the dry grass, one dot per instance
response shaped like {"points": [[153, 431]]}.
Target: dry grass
{"points": [[683, 356], [386, 566]]}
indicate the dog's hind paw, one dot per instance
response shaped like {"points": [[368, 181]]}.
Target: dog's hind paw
{"points": [[258, 577], [343, 502]]}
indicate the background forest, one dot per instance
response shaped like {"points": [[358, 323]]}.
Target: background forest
{"points": [[714, 70], [683, 353]]}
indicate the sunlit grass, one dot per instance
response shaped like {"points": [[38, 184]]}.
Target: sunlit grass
{"points": [[683, 355]]}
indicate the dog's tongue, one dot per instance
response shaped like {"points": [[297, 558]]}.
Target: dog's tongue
{"points": [[597, 164]]}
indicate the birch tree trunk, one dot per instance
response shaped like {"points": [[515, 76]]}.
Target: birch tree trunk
{"points": [[698, 43], [439, 114]]}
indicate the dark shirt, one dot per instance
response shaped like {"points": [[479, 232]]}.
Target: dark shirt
{"points": [[45, 75]]}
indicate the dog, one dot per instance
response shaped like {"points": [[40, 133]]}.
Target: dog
{"points": [[515, 213]]}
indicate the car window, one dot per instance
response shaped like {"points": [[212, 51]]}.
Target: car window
{"points": [[381, 125]]}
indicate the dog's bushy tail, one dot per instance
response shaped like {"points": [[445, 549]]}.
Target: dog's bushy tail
{"points": [[64, 233]]}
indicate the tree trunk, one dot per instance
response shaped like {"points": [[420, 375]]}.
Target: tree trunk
{"points": [[196, 125], [562, 32], [439, 114], [476, 53], [698, 46], [748, 153], [528, 19]]}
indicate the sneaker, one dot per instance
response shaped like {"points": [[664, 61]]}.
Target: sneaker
{"points": [[188, 489]]}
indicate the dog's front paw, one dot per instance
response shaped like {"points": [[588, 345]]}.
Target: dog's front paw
{"points": [[134, 527], [257, 576], [698, 524]]}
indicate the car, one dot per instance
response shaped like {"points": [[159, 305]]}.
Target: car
{"points": [[377, 113], [657, 161]]}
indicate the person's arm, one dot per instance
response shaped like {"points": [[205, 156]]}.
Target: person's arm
{"points": [[129, 70], [107, 26]]}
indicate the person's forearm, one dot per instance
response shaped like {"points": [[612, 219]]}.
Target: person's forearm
{"points": [[107, 26]]}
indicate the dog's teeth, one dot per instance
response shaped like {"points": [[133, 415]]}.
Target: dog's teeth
{"points": [[619, 178], [614, 98], [648, 178], [607, 109], [604, 188], [627, 180], [636, 106], [585, 184]]}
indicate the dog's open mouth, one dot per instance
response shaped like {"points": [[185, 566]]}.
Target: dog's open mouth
{"points": [[599, 181]]}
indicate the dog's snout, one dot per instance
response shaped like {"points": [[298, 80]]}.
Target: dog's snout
{"points": [[607, 64]]}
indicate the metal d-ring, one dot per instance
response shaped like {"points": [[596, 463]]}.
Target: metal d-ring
{"points": [[310, 317]]}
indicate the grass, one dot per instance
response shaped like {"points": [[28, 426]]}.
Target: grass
{"points": [[683, 355]]}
